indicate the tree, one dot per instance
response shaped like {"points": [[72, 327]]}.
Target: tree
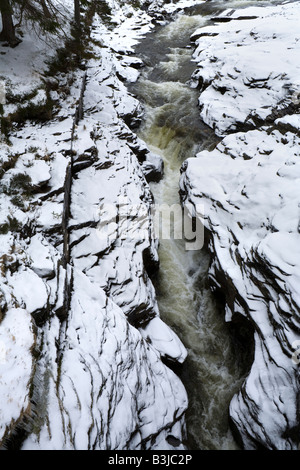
{"points": [[42, 14], [8, 30], [77, 14], [46, 10], [39, 12]]}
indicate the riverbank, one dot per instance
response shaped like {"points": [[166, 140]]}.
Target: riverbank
{"points": [[81, 365], [247, 72]]}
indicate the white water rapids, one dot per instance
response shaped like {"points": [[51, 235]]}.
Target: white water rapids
{"points": [[214, 370]]}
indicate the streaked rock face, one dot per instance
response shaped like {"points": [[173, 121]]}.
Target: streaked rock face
{"points": [[76, 299], [248, 188]]}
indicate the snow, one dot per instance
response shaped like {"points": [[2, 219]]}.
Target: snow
{"points": [[29, 290], [263, 76], [86, 292], [41, 260], [163, 340], [248, 189], [37, 170], [82, 296], [100, 380], [16, 367], [23, 67]]}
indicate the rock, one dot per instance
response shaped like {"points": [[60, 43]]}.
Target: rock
{"points": [[158, 334], [246, 193], [243, 81], [106, 373], [74, 267], [17, 340], [252, 214], [153, 168], [39, 252]]}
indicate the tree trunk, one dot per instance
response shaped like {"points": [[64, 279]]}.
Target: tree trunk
{"points": [[46, 10], [77, 14], [8, 30], [77, 30]]}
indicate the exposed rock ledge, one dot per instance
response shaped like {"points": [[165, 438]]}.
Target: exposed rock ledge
{"points": [[246, 192]]}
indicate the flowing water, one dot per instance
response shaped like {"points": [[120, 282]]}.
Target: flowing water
{"points": [[172, 128]]}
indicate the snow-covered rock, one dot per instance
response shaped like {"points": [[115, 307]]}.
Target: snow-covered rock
{"points": [[73, 267], [17, 341], [153, 167], [163, 339], [108, 390], [246, 192], [248, 67]]}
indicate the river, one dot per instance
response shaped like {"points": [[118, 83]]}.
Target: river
{"points": [[217, 362]]}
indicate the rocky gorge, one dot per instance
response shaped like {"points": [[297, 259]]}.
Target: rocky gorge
{"points": [[85, 358]]}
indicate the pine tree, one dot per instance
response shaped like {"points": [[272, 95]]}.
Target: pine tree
{"points": [[41, 13], [77, 14], [8, 29]]}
